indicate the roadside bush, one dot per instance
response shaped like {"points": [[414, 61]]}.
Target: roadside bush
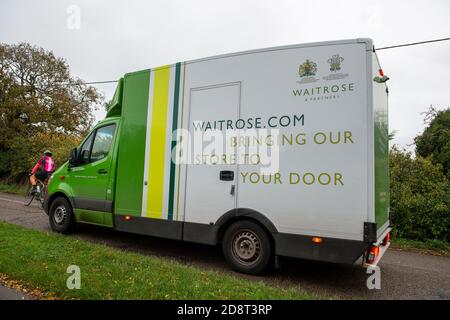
{"points": [[25, 152], [420, 197]]}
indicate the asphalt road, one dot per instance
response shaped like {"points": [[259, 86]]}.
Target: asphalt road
{"points": [[404, 275], [11, 294]]}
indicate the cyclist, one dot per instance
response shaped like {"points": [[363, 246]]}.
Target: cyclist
{"points": [[42, 170]]}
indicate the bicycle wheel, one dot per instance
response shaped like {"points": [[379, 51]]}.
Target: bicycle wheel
{"points": [[29, 196]]}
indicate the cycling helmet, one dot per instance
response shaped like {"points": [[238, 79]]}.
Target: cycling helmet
{"points": [[47, 153]]}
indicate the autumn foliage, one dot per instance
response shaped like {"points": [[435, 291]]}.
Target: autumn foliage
{"points": [[41, 107]]}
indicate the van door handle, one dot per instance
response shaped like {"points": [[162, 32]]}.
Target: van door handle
{"points": [[226, 175], [102, 171]]}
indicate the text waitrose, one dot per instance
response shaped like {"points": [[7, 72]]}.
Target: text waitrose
{"points": [[250, 123], [324, 90]]}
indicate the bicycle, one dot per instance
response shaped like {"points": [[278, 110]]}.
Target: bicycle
{"points": [[32, 193]]}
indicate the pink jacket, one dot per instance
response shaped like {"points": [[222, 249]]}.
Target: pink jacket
{"points": [[46, 164]]}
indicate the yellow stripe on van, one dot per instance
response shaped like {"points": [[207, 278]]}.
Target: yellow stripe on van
{"points": [[158, 142]]}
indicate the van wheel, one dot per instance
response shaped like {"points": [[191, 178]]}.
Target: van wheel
{"points": [[61, 216], [247, 247]]}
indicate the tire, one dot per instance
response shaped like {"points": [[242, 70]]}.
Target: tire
{"points": [[247, 247], [61, 216], [29, 196]]}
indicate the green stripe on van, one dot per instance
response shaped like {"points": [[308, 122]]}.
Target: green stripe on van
{"points": [[173, 144]]}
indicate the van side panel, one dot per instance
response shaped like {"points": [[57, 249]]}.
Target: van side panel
{"points": [[321, 186], [131, 151], [148, 180], [160, 175], [381, 145]]}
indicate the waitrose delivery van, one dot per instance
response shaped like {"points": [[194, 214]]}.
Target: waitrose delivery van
{"points": [[272, 152]]}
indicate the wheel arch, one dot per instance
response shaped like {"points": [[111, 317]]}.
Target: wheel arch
{"points": [[244, 214], [53, 196]]}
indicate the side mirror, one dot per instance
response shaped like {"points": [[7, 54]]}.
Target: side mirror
{"points": [[73, 159]]}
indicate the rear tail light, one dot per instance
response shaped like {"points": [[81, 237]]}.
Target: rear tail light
{"points": [[386, 239], [372, 254]]}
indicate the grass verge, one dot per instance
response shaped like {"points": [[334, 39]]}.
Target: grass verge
{"points": [[13, 188], [40, 260], [430, 246]]}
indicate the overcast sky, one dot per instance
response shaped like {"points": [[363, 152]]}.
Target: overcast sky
{"points": [[115, 37]]}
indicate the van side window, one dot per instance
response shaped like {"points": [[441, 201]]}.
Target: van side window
{"points": [[102, 142], [85, 149]]}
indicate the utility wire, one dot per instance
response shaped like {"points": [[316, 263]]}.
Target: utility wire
{"points": [[377, 49], [98, 82], [412, 44], [94, 82]]}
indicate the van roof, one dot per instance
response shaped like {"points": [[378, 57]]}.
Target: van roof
{"points": [[367, 41]]}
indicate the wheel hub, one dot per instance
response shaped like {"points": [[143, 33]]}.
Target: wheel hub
{"points": [[60, 214], [246, 247]]}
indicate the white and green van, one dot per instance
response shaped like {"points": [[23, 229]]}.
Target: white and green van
{"points": [[272, 152]]}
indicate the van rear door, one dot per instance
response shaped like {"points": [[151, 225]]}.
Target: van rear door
{"points": [[212, 176]]}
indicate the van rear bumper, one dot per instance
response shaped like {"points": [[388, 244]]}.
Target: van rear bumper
{"points": [[329, 250]]}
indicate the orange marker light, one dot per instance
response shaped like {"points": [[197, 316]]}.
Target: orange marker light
{"points": [[317, 240], [62, 177], [127, 218]]}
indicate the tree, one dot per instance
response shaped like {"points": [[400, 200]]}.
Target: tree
{"points": [[39, 99], [434, 142], [106, 105], [420, 197]]}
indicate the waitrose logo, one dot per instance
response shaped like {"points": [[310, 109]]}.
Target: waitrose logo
{"points": [[323, 92]]}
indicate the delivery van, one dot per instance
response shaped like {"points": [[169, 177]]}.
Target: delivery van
{"points": [[269, 153]]}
